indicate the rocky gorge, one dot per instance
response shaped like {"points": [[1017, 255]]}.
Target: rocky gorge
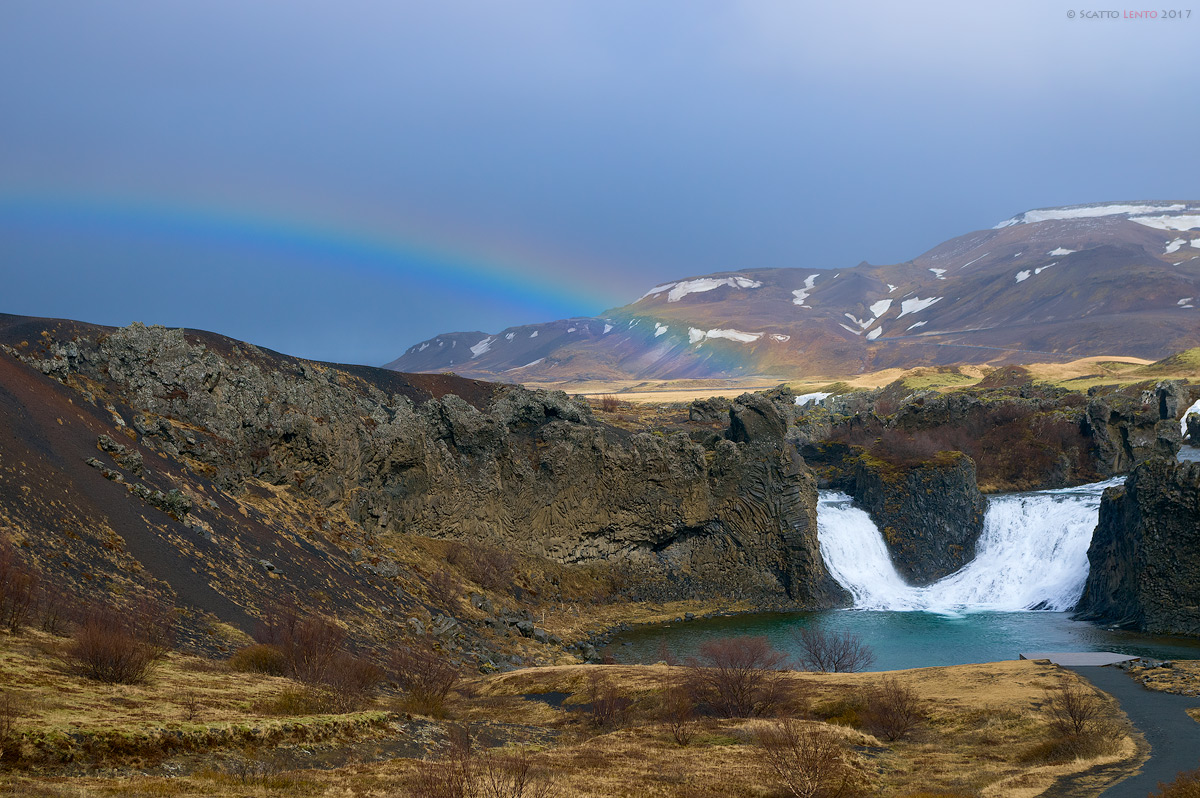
{"points": [[272, 478]]}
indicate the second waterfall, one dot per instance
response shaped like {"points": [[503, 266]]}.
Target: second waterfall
{"points": [[1032, 555]]}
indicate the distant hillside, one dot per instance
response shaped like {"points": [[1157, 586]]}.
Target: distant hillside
{"points": [[1101, 279]]}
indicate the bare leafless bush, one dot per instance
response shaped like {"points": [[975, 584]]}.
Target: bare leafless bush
{"points": [[608, 403], [352, 680], [11, 707], [310, 644], [499, 775], [18, 589], [444, 589], [1074, 710], [892, 710], [189, 701], [608, 707], [678, 710], [311, 649], [809, 761], [490, 567], [738, 677], [54, 609], [106, 648], [829, 652], [424, 674], [463, 772]]}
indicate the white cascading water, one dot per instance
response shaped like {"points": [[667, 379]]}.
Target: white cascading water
{"points": [[1032, 554]]}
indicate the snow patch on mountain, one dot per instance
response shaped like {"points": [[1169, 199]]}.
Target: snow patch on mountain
{"points": [[916, 304], [1092, 212], [801, 294], [879, 308], [1022, 276], [677, 291], [938, 273], [1060, 251], [659, 329], [1189, 222], [695, 336], [734, 335], [873, 334], [813, 398], [482, 346]]}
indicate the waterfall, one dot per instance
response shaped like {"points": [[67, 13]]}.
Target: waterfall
{"points": [[1032, 554]]}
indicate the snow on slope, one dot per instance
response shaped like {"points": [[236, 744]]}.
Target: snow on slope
{"points": [[1091, 212], [677, 291]]}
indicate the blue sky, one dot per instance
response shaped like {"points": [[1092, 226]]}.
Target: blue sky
{"points": [[341, 180]]}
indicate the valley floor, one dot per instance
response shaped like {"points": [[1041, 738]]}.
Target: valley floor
{"points": [[199, 728]]}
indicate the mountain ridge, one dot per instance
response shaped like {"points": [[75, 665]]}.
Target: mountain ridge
{"points": [[1074, 281]]}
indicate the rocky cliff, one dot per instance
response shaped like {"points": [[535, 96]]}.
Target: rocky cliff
{"points": [[1021, 436], [1145, 553], [439, 457], [930, 511]]}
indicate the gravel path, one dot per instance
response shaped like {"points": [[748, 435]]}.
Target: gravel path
{"points": [[1173, 736]]}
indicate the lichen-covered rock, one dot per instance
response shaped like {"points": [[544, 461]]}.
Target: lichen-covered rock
{"points": [[1145, 552]]}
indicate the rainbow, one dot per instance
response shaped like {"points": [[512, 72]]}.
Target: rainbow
{"points": [[571, 288]]}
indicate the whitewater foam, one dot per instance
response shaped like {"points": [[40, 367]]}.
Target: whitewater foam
{"points": [[1032, 555]]}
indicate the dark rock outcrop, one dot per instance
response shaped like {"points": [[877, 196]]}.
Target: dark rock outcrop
{"points": [[930, 511], [1145, 553], [528, 470], [1128, 430]]}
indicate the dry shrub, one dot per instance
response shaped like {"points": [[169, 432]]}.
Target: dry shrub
{"points": [[294, 702], [1074, 710], [678, 711], [352, 680], [738, 677], [259, 658], [810, 762], [1186, 785], [461, 772], [892, 709], [490, 567], [444, 589], [827, 652], [108, 647], [1078, 727], [424, 674], [10, 736], [312, 649], [608, 403], [18, 589], [54, 608], [608, 707]]}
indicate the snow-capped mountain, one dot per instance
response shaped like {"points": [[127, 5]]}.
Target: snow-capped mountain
{"points": [[1101, 279]]}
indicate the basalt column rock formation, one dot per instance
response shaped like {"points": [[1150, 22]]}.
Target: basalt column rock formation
{"points": [[1145, 553], [445, 457]]}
